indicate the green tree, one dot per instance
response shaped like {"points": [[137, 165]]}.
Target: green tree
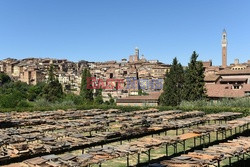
{"points": [[98, 96], [193, 88], [173, 83], [11, 87], [4, 78], [13, 94], [52, 91], [85, 92], [77, 100], [111, 99], [51, 73], [10, 100], [35, 91]]}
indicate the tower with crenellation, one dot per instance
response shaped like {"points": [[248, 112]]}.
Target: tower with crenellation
{"points": [[224, 48]]}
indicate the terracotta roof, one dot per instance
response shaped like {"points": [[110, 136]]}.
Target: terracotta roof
{"points": [[233, 79], [152, 97], [234, 72], [225, 90], [211, 77], [207, 63], [160, 67]]}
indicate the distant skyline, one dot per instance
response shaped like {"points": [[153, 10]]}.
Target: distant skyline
{"points": [[103, 30]]}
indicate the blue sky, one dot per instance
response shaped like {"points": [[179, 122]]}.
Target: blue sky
{"points": [[101, 30]]}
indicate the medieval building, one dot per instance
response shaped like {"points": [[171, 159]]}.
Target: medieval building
{"points": [[227, 81]]}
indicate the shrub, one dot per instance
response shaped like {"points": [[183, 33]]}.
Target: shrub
{"points": [[237, 102], [23, 104], [35, 91], [77, 100], [62, 104], [10, 100], [42, 102]]}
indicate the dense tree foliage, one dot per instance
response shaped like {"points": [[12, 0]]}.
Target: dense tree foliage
{"points": [[193, 88], [35, 91], [4, 78], [85, 92], [98, 96], [52, 91], [185, 85], [173, 84], [18, 94], [13, 94]]}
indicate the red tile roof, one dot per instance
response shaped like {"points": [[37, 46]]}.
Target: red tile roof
{"points": [[207, 63], [233, 79], [234, 72], [211, 77], [152, 97], [225, 90]]}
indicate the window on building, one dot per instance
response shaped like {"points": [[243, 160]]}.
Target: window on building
{"points": [[111, 75], [236, 87], [247, 93]]}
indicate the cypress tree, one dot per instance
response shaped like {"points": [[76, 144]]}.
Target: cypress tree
{"points": [[98, 96], [172, 87], [86, 93], [52, 91], [193, 88], [51, 74]]}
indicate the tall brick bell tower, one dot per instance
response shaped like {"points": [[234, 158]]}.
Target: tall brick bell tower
{"points": [[224, 49]]}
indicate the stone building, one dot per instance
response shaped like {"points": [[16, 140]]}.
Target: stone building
{"points": [[137, 70], [31, 77], [231, 82], [227, 81]]}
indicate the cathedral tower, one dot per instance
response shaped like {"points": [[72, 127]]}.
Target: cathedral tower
{"points": [[224, 48], [136, 56]]}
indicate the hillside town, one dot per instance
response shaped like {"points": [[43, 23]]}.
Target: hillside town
{"points": [[35, 70], [225, 81]]}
